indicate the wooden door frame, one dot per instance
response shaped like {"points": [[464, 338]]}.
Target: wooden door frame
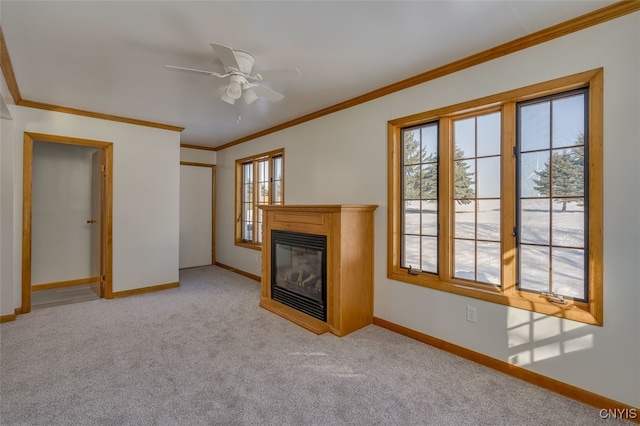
{"points": [[213, 203], [106, 238]]}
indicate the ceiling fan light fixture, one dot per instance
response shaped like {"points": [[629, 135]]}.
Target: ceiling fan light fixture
{"points": [[234, 90], [248, 94], [227, 99]]}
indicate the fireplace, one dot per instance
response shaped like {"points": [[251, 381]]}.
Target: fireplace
{"points": [[299, 272], [317, 265]]}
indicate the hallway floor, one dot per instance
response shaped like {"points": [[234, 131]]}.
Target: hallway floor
{"points": [[62, 296]]}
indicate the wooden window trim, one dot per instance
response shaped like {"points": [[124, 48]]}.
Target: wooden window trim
{"points": [[238, 199], [590, 312]]}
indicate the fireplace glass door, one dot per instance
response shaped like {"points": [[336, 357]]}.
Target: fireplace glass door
{"points": [[298, 271]]}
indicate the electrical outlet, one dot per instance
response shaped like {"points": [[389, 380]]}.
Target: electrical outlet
{"points": [[472, 314]]}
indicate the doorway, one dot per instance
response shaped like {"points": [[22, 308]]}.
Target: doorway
{"points": [[197, 214], [67, 220]]}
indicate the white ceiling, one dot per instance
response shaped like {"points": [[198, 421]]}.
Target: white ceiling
{"points": [[108, 56]]}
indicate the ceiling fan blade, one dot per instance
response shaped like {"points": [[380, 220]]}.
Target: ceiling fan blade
{"points": [[265, 92], [226, 56], [283, 74], [215, 74]]}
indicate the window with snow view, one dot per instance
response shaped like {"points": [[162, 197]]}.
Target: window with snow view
{"points": [[500, 198]]}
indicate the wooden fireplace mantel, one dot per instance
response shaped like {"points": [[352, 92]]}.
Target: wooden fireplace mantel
{"points": [[349, 230]]}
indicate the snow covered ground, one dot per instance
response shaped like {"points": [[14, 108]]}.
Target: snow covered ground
{"points": [[552, 244]]}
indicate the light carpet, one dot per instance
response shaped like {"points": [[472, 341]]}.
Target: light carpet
{"points": [[207, 354]]}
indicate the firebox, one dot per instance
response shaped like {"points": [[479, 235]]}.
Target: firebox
{"points": [[299, 272]]}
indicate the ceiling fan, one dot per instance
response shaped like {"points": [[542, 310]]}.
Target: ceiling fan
{"points": [[238, 67]]}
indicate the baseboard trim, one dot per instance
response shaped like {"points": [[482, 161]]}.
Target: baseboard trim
{"points": [[9, 317], [143, 290], [68, 283], [536, 379], [239, 271]]}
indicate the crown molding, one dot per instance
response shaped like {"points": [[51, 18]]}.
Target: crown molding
{"points": [[205, 148], [7, 70], [84, 113]]}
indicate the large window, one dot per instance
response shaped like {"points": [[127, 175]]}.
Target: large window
{"points": [[259, 181], [501, 198]]}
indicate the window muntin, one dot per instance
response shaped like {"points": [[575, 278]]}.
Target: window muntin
{"points": [[552, 145], [564, 243], [260, 181]]}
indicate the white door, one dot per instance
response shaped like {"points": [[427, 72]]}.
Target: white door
{"points": [[196, 215], [96, 222]]}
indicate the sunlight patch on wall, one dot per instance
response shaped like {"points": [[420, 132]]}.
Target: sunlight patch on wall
{"points": [[536, 337], [578, 344], [547, 351]]}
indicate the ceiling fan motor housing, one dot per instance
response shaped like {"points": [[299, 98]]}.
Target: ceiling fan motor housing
{"points": [[245, 61]]}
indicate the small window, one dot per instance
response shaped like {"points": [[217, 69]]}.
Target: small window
{"points": [[476, 198], [420, 206], [259, 181]]}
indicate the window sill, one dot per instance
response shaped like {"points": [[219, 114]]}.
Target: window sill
{"points": [[246, 244], [575, 311]]}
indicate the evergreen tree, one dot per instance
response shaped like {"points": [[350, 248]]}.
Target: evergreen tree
{"points": [[413, 157], [421, 173], [430, 178], [562, 175], [463, 179]]}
